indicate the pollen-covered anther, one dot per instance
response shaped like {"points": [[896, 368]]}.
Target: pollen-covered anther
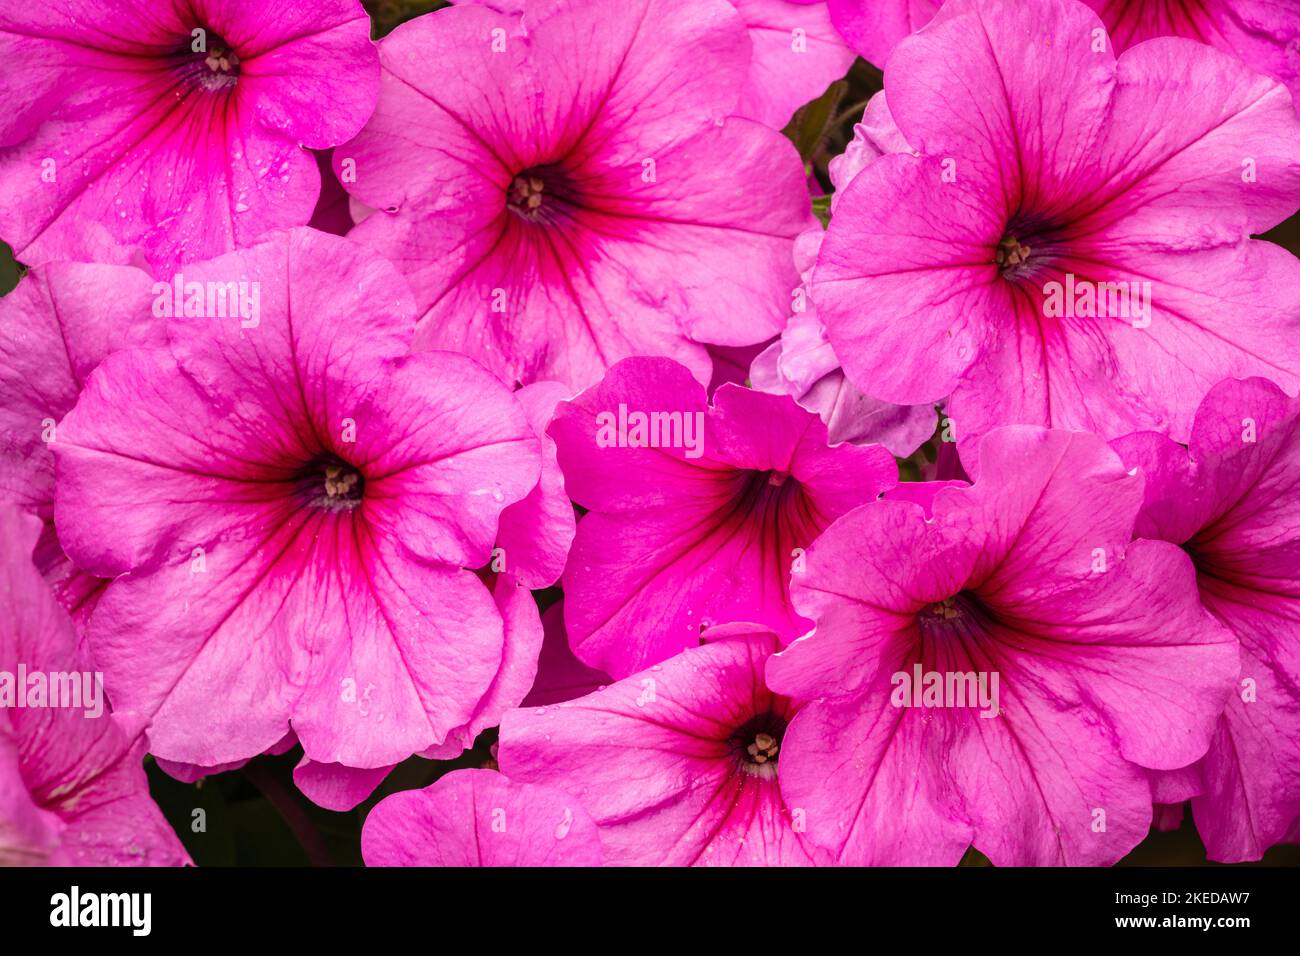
{"points": [[526, 193], [763, 748], [342, 483], [945, 610], [222, 59], [1010, 253]]}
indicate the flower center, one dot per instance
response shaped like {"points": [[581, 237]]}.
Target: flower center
{"points": [[757, 744], [763, 749], [1011, 255], [526, 193], [332, 484], [216, 65], [542, 194], [945, 610]]}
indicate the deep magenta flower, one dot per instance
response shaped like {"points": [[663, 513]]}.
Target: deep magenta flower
{"points": [[72, 785], [1001, 671], [696, 513], [480, 818], [1262, 33], [678, 765], [178, 125], [1072, 247], [1232, 501], [559, 203], [291, 501], [56, 326]]}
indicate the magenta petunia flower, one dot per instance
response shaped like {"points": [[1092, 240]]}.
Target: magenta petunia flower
{"points": [[72, 785], [558, 204], [1263, 33], [178, 125], [532, 542], [480, 818], [1001, 672], [695, 513], [1232, 501], [1072, 247], [678, 765], [56, 326], [291, 501]]}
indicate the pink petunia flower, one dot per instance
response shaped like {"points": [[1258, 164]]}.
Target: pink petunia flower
{"points": [[291, 501], [678, 765], [695, 513], [177, 125], [1232, 501], [999, 672], [1072, 246], [563, 203], [480, 818], [72, 785], [533, 541], [56, 326], [1262, 33]]}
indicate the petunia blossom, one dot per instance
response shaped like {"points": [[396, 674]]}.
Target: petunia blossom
{"points": [[480, 818], [72, 786], [696, 513], [56, 326], [289, 503], [177, 125], [532, 542], [558, 204], [1231, 500], [679, 764], [1002, 672], [1263, 33], [1072, 244]]}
